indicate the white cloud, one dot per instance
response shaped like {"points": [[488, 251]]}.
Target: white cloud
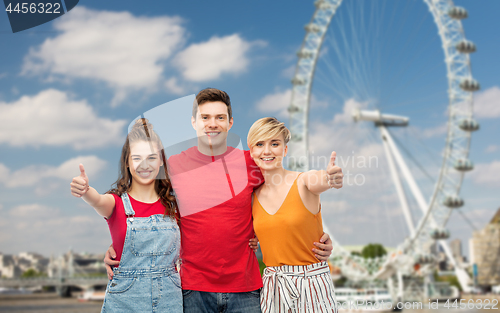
{"points": [[330, 135], [276, 103], [93, 165], [118, 48], [174, 87], [487, 103], [4, 171], [47, 188], [213, 58], [51, 118], [487, 174], [33, 211], [35, 174], [346, 116], [48, 229]]}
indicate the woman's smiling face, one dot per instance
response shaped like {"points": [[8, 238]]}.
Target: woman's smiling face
{"points": [[269, 154], [144, 162]]}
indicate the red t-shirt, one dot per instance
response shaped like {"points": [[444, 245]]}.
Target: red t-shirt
{"points": [[214, 197], [117, 222]]}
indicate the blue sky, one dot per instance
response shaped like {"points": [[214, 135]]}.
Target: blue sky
{"points": [[70, 87]]}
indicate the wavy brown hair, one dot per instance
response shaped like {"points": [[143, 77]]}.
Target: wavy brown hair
{"points": [[143, 131]]}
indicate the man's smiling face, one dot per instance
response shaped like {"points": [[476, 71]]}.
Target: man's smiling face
{"points": [[212, 124]]}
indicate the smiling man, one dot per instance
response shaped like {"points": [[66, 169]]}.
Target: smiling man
{"points": [[214, 183]]}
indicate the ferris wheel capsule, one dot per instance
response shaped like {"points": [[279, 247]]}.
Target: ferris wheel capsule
{"points": [[463, 165], [416, 258], [458, 13], [440, 233], [468, 124], [470, 84], [465, 46], [312, 28], [322, 4], [305, 54], [453, 202], [294, 164], [423, 258], [293, 109], [296, 137], [298, 80]]}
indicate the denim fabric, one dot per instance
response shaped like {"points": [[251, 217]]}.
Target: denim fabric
{"points": [[146, 279], [231, 302]]}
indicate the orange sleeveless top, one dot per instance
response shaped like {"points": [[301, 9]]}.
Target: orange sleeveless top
{"points": [[286, 237]]}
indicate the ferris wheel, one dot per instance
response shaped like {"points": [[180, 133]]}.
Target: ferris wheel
{"points": [[413, 255]]}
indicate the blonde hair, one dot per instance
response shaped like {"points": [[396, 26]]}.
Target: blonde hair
{"points": [[265, 129]]}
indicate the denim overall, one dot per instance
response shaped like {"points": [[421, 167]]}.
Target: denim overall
{"points": [[146, 279]]}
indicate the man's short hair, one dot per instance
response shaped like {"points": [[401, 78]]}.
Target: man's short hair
{"points": [[212, 95]]}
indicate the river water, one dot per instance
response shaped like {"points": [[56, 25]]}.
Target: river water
{"points": [[46, 303]]}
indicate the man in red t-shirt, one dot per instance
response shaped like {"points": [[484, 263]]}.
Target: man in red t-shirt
{"points": [[213, 185]]}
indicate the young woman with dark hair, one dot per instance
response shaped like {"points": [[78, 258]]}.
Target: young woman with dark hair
{"points": [[141, 213]]}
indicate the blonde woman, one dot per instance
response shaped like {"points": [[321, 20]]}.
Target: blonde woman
{"points": [[287, 218]]}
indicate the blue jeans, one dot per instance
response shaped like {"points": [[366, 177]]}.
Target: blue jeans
{"points": [[231, 302]]}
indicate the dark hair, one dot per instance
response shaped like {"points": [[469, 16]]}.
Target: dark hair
{"points": [[212, 95], [143, 131]]}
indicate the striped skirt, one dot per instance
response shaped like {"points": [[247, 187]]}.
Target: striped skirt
{"points": [[298, 288]]}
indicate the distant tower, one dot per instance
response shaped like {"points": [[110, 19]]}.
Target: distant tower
{"points": [[71, 263], [456, 249]]}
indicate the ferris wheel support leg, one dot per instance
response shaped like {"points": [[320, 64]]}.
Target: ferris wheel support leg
{"points": [[405, 170], [427, 290], [390, 286], [397, 183], [462, 275], [400, 287]]}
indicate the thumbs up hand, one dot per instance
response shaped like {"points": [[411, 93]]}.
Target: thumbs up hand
{"points": [[334, 175], [80, 184]]}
